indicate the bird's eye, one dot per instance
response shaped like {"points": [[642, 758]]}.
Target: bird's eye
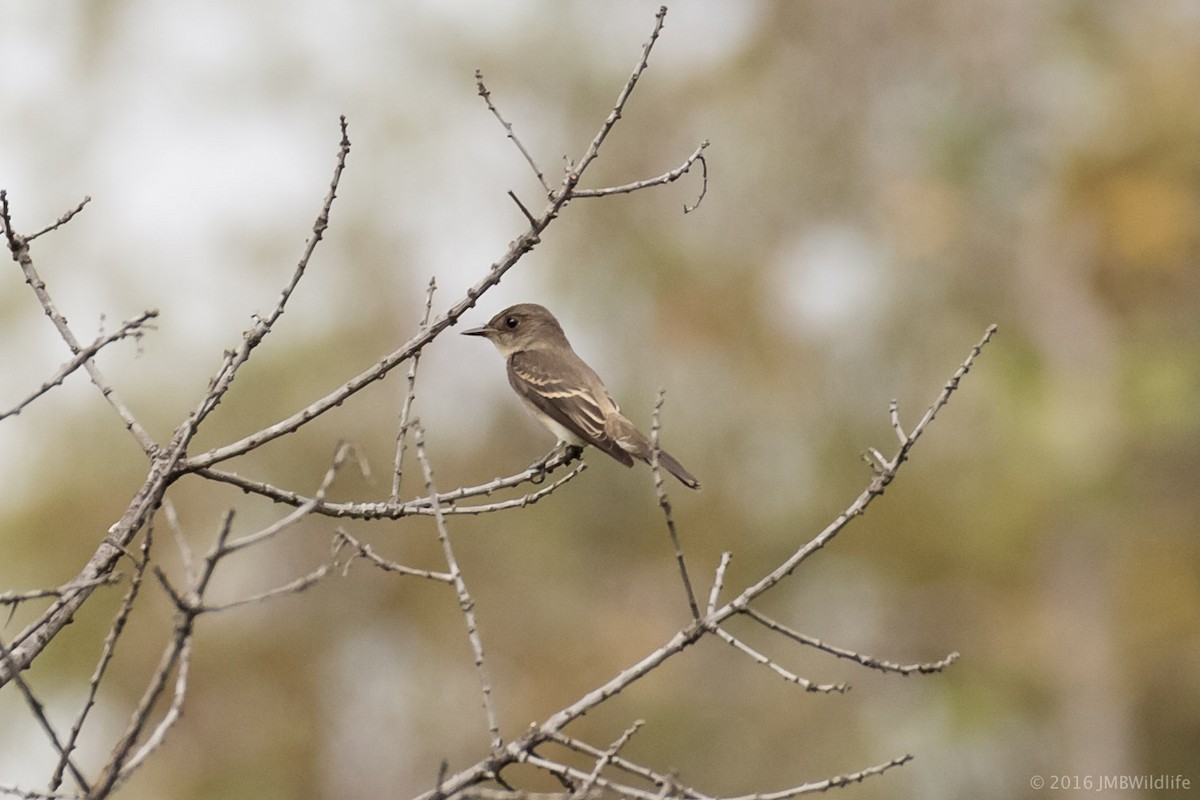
{"points": [[511, 323]]}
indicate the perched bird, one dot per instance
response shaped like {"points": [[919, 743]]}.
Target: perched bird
{"points": [[563, 392]]}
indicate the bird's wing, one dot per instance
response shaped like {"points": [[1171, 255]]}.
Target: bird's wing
{"points": [[570, 393]]}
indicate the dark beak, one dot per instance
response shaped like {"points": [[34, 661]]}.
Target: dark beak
{"points": [[484, 331]]}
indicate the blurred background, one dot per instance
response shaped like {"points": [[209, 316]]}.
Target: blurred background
{"points": [[885, 180]]}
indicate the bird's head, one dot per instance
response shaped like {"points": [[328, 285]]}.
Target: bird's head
{"points": [[527, 326]]}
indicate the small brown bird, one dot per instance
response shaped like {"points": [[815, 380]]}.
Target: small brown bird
{"points": [[563, 392]]}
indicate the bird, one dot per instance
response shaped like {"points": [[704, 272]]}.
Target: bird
{"points": [[563, 393]]}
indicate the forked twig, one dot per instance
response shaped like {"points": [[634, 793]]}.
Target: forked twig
{"points": [[786, 674], [132, 327], [19, 247], [363, 550]]}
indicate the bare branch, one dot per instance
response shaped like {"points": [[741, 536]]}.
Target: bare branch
{"points": [[38, 634], [166, 463], [419, 506]]}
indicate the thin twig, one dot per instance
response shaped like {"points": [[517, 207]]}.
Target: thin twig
{"points": [[573, 774], [606, 758], [947, 390], [786, 674], [718, 581], [508, 128], [665, 504], [528, 215], [661, 180], [363, 550], [344, 449], [26, 794], [618, 761], [410, 394], [894, 415], [172, 715], [460, 587], [835, 782], [923, 668], [687, 209], [63, 220]]}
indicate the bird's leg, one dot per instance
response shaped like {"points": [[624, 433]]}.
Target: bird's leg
{"points": [[539, 467], [570, 452]]}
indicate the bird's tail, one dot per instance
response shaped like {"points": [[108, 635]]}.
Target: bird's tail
{"points": [[668, 462], [634, 442]]}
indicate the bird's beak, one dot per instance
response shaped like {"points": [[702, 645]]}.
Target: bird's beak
{"points": [[483, 331]]}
